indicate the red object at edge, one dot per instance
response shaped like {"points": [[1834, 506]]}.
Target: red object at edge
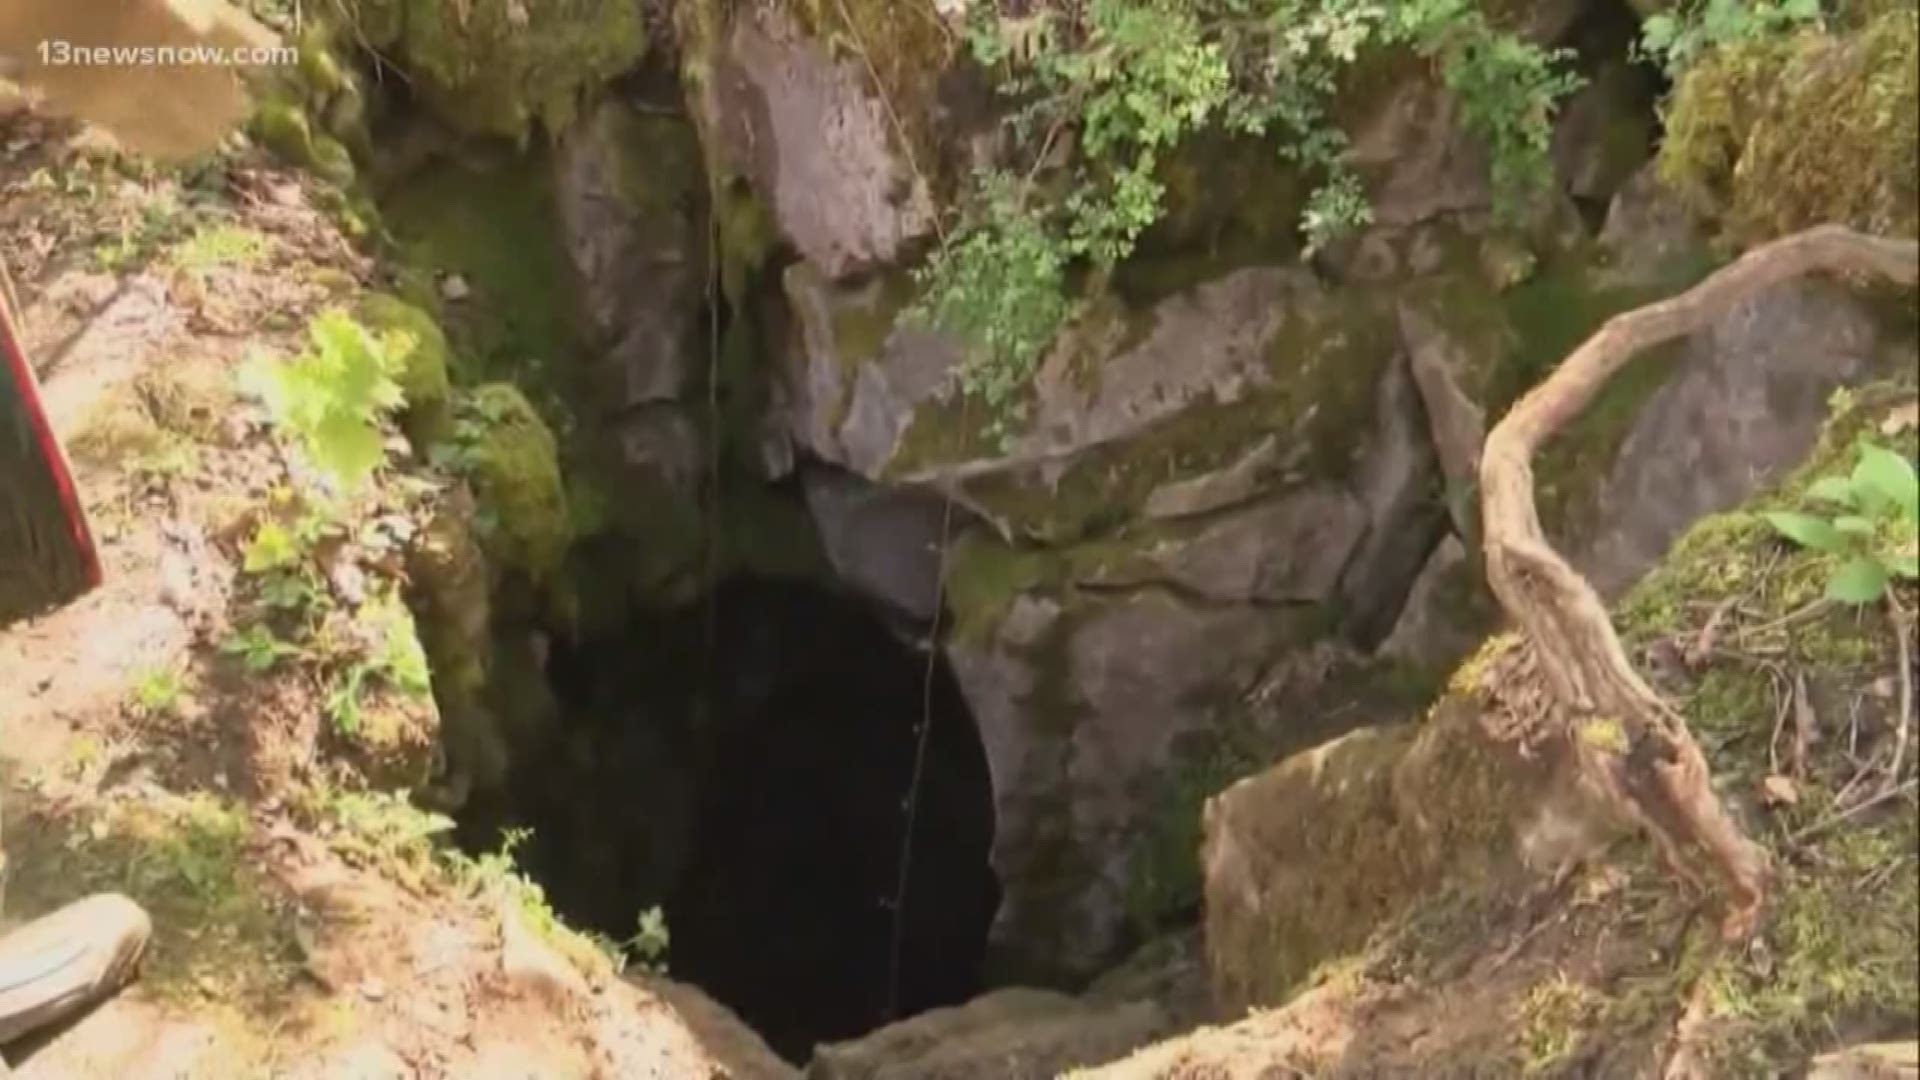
{"points": [[56, 459]]}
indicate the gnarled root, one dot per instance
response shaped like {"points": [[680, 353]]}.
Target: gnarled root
{"points": [[1654, 772]]}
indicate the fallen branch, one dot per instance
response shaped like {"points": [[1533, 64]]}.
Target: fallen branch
{"points": [[1660, 779]]}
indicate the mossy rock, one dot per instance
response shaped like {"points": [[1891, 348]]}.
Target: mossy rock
{"points": [[450, 591], [493, 221], [499, 67], [1318, 371], [1352, 835], [1782, 133], [282, 126], [910, 52], [514, 463], [319, 69], [423, 364]]}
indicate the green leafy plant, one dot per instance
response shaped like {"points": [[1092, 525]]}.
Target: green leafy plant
{"points": [[1676, 37], [1107, 89], [273, 547], [258, 648], [1873, 527], [159, 691], [496, 874], [1002, 287], [388, 651], [333, 397], [378, 828], [219, 245], [650, 941], [343, 698], [280, 554]]}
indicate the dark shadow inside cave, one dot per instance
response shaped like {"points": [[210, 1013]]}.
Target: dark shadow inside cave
{"points": [[745, 763]]}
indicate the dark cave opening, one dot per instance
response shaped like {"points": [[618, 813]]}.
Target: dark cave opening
{"points": [[745, 763]]}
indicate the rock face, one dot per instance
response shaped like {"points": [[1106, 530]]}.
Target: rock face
{"points": [[632, 203], [631, 197], [817, 144], [1289, 550], [1006, 1035], [1747, 402], [883, 543], [854, 376], [1204, 480]]}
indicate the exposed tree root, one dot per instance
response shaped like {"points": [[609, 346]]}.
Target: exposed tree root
{"points": [[1657, 775]]}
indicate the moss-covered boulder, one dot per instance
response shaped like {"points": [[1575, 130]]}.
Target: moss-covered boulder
{"points": [[514, 463], [632, 212], [450, 590], [501, 67], [422, 364], [284, 127], [1786, 132]]}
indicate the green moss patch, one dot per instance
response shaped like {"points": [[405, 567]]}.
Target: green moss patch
{"points": [[421, 361], [1325, 363], [514, 463], [495, 223], [1783, 133], [283, 127], [499, 67]]}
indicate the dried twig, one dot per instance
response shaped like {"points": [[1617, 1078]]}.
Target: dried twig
{"points": [[1783, 691], [1683, 1060], [1805, 724], [1861, 771], [1791, 619], [1853, 730], [1852, 812], [1903, 720]]}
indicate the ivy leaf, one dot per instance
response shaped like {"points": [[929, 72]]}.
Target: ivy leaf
{"points": [[1890, 477], [1858, 581], [1808, 531]]}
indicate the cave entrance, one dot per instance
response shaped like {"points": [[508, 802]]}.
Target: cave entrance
{"points": [[745, 764]]}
